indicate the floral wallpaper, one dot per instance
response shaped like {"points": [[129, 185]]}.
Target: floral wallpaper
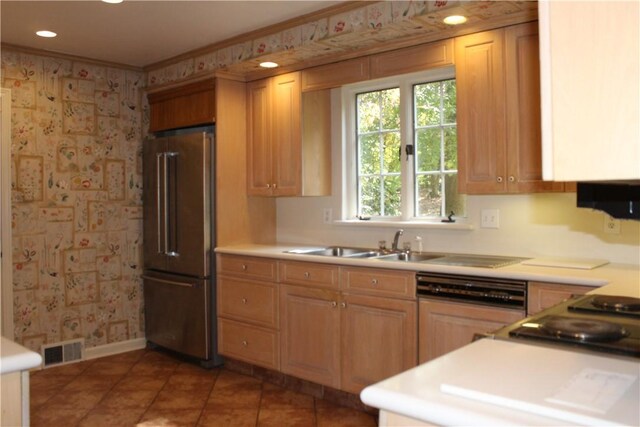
{"points": [[77, 131], [363, 27]]}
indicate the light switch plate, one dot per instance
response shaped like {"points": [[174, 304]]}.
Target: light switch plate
{"points": [[490, 218]]}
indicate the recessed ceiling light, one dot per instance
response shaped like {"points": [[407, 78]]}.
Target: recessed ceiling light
{"points": [[455, 20], [113, 1], [46, 33], [268, 64]]}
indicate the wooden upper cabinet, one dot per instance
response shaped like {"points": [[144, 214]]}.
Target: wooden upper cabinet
{"points": [[591, 89], [498, 91], [189, 105], [412, 59], [481, 112], [289, 138], [524, 143], [335, 74]]}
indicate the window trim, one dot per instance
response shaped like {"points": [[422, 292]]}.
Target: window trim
{"points": [[406, 83]]}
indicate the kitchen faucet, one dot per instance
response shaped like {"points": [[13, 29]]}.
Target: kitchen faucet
{"points": [[394, 246]]}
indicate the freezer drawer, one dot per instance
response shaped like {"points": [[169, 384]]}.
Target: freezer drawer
{"points": [[178, 313]]}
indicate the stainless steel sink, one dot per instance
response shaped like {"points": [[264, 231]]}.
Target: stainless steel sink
{"points": [[408, 257], [337, 251]]}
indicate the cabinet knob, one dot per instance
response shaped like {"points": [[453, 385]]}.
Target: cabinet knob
{"points": [[245, 343], [244, 300], [274, 186], [244, 267], [499, 179], [343, 304], [306, 274], [374, 281], [512, 178], [268, 185], [334, 304]]}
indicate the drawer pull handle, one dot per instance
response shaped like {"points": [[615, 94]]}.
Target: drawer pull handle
{"points": [[343, 304], [244, 300], [512, 178], [245, 343], [374, 281], [306, 274], [334, 304], [244, 267], [499, 179]]}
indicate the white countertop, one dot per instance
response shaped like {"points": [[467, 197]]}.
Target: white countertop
{"points": [[497, 382], [14, 357], [622, 279]]}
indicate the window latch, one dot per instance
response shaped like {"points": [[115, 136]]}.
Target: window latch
{"points": [[409, 150]]}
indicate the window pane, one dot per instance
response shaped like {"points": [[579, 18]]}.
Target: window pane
{"points": [[449, 101], [391, 142], [390, 108], [369, 160], [427, 104], [453, 200], [392, 186], [450, 148], [368, 112], [428, 150], [429, 201], [370, 196]]}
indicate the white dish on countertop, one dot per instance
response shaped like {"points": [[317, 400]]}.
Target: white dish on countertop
{"points": [[576, 263]]}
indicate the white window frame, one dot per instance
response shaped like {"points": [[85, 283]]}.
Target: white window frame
{"points": [[406, 83]]}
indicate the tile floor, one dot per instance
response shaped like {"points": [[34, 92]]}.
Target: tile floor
{"points": [[150, 388]]}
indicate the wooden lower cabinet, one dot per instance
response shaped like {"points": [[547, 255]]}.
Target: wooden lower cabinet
{"points": [[447, 326], [310, 334], [379, 338], [249, 343], [345, 341], [543, 295]]}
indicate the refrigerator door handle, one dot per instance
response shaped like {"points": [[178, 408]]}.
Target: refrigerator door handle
{"points": [[170, 222], [170, 282], [159, 200]]}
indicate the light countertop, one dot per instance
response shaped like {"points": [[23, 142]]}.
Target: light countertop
{"points": [[621, 279], [499, 382], [14, 357]]}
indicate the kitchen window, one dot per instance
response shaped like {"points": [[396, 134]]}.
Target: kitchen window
{"points": [[402, 147]]}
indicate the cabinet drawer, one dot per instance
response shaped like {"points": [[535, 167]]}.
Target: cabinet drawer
{"points": [[306, 273], [399, 284], [254, 302], [250, 267], [250, 344]]}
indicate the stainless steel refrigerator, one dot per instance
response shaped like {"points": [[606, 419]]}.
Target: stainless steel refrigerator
{"points": [[179, 238]]}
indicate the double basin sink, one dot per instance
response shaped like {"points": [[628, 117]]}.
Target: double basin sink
{"points": [[420, 257]]}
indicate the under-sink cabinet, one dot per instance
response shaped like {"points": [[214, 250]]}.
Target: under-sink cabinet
{"points": [[248, 310], [347, 336], [544, 295]]}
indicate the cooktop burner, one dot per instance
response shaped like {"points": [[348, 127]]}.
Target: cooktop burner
{"points": [[582, 329], [609, 304]]}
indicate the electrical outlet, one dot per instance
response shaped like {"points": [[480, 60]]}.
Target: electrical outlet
{"points": [[611, 225], [327, 215], [490, 218]]}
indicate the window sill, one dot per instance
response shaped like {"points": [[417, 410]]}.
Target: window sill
{"points": [[457, 226]]}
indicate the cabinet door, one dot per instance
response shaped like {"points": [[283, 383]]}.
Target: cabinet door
{"points": [[286, 134], [446, 326], [481, 112], [310, 334], [524, 146], [378, 339], [545, 295], [259, 172]]}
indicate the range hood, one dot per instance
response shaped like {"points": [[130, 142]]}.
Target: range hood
{"points": [[620, 199]]}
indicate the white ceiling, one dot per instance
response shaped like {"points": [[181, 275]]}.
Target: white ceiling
{"points": [[140, 32]]}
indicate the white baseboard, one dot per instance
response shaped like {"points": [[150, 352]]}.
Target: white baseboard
{"points": [[114, 348]]}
